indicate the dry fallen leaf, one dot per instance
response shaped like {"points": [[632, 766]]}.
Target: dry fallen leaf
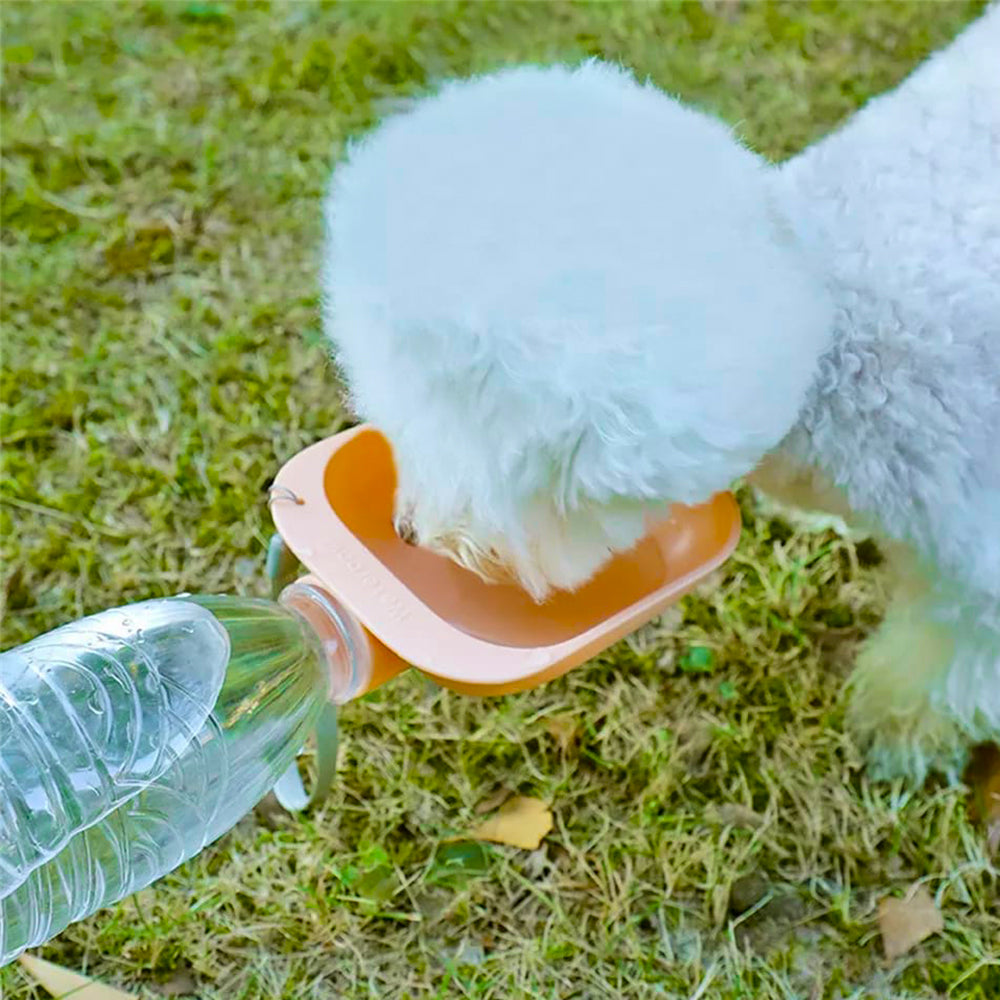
{"points": [[522, 822], [983, 777], [61, 982], [563, 729], [906, 922]]}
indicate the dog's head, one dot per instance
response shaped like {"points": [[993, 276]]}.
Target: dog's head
{"points": [[568, 301], [523, 517]]}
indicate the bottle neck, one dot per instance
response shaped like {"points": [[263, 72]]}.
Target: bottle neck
{"points": [[340, 639]]}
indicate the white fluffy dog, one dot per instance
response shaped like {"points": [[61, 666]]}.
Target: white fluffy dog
{"points": [[570, 302]]}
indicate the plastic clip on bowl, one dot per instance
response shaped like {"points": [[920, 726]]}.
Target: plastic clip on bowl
{"points": [[411, 607]]}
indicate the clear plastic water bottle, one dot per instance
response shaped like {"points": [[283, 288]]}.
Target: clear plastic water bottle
{"points": [[132, 739]]}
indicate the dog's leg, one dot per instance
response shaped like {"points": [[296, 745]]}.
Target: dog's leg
{"points": [[927, 683], [892, 692]]}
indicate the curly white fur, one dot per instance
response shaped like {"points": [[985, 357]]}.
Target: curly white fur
{"points": [[902, 209], [570, 301], [537, 284]]}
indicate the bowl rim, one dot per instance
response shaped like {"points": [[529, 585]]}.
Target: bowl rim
{"points": [[399, 619]]}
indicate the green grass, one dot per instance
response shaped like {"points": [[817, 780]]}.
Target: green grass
{"points": [[162, 170]]}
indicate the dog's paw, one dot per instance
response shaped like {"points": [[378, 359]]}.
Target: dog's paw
{"points": [[913, 755], [895, 712]]}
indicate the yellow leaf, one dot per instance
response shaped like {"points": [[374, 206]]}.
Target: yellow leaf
{"points": [[61, 982], [906, 922], [522, 822]]}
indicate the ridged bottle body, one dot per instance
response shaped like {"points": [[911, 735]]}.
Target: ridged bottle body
{"points": [[91, 713], [146, 734]]}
